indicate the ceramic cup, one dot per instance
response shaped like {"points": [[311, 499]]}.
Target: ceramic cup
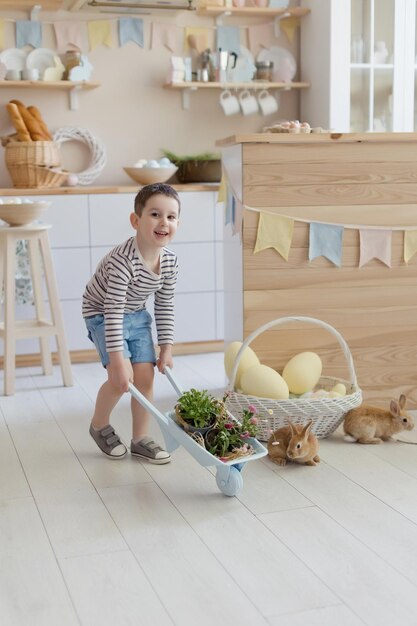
{"points": [[267, 103], [248, 103], [30, 74], [229, 103], [13, 75]]}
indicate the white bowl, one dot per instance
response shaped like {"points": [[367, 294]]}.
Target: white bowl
{"points": [[22, 214], [148, 175]]}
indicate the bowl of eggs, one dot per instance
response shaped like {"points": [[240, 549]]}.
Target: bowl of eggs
{"points": [[20, 212], [154, 171]]}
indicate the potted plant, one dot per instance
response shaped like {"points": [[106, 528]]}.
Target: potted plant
{"points": [[198, 410], [199, 168], [230, 439]]}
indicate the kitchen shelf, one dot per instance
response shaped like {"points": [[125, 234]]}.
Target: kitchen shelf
{"points": [[72, 87], [216, 11], [186, 87]]}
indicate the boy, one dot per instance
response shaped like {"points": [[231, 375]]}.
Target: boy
{"points": [[120, 326]]}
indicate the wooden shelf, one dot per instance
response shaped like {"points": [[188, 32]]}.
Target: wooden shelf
{"points": [[72, 87], [254, 84], [215, 11], [185, 88]]}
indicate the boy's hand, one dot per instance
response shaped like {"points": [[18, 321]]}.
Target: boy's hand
{"points": [[119, 372], [165, 357]]}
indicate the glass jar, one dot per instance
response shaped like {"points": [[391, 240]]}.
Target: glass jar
{"points": [[72, 58], [264, 70]]}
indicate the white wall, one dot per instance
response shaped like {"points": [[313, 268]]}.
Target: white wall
{"points": [[131, 112]]}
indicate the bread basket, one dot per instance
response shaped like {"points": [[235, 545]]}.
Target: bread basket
{"points": [[23, 160], [326, 413]]}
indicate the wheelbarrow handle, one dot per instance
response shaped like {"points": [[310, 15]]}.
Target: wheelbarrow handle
{"points": [[147, 404], [173, 380]]}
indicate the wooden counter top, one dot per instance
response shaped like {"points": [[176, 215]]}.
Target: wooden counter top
{"points": [[57, 191], [317, 138]]}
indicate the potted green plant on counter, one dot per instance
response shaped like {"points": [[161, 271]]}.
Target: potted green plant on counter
{"points": [[199, 168], [197, 410]]}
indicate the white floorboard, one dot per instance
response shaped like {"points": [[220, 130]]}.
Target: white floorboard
{"points": [[93, 542]]}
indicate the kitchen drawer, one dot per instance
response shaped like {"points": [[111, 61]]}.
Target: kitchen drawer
{"points": [[109, 218], [195, 317], [72, 270], [219, 220], [68, 216], [218, 247], [74, 325], [196, 267], [219, 315]]}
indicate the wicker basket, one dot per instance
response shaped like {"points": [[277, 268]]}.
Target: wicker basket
{"points": [[26, 160], [327, 413]]}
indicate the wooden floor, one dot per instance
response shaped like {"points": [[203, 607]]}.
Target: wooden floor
{"points": [[85, 540]]}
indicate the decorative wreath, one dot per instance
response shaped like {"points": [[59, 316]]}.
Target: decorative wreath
{"points": [[96, 146]]}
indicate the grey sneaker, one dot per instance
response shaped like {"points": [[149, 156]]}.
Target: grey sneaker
{"points": [[109, 442], [147, 449]]}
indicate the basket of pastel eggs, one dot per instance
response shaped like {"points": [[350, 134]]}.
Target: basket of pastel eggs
{"points": [[299, 393]]}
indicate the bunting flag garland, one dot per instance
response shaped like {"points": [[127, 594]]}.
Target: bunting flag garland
{"points": [[229, 212], [165, 35], [99, 33], [326, 240], [289, 25], [410, 244], [274, 231], [375, 244], [70, 35], [130, 29], [237, 217], [260, 36], [28, 33]]}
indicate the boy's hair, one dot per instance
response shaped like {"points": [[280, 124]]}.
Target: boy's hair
{"points": [[152, 190]]}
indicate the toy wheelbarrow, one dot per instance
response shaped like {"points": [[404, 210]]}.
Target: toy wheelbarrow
{"points": [[228, 473]]}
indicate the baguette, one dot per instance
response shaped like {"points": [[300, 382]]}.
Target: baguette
{"points": [[31, 123], [18, 122], [37, 115]]}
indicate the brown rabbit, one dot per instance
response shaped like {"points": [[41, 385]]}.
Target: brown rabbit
{"points": [[369, 424], [294, 443]]}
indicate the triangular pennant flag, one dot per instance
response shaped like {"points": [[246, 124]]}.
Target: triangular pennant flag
{"points": [[274, 231], [165, 35], [28, 33], [70, 35], [326, 240], [260, 36], [130, 29], [289, 25], [99, 33], [375, 244], [229, 208], [200, 35], [222, 192], [237, 217], [410, 244], [232, 167], [1, 34]]}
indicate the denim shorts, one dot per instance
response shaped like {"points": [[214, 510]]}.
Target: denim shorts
{"points": [[137, 337]]}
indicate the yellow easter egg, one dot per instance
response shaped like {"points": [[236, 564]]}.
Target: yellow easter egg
{"points": [[248, 358], [264, 382], [339, 388], [334, 394], [302, 372]]}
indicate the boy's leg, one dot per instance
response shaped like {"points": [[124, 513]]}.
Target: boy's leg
{"points": [[142, 445]]}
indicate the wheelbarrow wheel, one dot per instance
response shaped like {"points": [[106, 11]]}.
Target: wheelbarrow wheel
{"points": [[229, 480]]}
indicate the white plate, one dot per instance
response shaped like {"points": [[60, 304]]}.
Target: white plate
{"points": [[285, 66], [3, 70], [245, 67], [13, 58], [40, 59]]}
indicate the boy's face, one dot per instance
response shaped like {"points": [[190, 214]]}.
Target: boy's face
{"points": [[159, 220]]}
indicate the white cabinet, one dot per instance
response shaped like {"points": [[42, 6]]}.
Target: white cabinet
{"points": [[359, 56], [85, 227]]}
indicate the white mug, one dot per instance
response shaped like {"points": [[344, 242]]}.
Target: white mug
{"points": [[13, 75], [229, 103], [248, 103], [30, 73], [267, 103]]}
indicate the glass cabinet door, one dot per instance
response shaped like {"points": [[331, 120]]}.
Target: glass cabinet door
{"points": [[372, 65]]}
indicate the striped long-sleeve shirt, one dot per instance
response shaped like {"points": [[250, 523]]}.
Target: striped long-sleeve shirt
{"points": [[122, 283]]}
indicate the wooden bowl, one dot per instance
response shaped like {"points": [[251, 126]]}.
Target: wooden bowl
{"points": [[22, 214], [150, 175]]}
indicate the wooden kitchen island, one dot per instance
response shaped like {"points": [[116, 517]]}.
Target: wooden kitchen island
{"points": [[354, 180]]}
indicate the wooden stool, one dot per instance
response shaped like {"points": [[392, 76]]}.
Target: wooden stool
{"points": [[11, 329]]}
